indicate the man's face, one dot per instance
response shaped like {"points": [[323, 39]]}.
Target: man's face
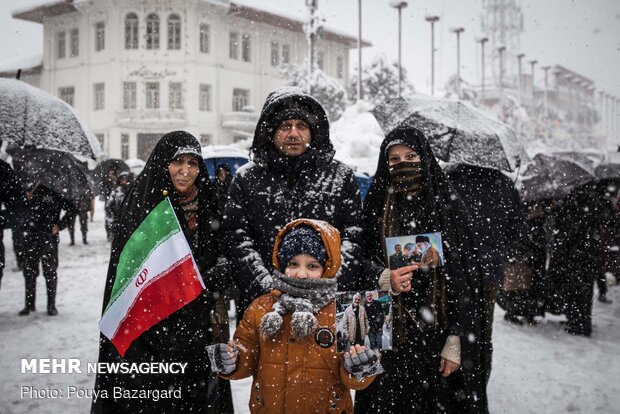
{"points": [[292, 138], [356, 300], [369, 297], [398, 248], [407, 251]]}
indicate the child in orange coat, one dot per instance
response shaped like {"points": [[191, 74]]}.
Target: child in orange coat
{"points": [[287, 339]]}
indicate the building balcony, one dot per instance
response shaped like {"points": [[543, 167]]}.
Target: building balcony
{"points": [[240, 121], [152, 118]]}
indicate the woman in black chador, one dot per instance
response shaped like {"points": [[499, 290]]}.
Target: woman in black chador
{"points": [[435, 364], [175, 166]]}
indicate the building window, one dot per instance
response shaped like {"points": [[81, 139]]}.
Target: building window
{"points": [[241, 98], [174, 32], [320, 60], [275, 54], [124, 146], [204, 98], [129, 95], [99, 36], [205, 34], [233, 45], [246, 48], [205, 139], [340, 67], [99, 96], [67, 94], [152, 31], [286, 54], [175, 95], [100, 138], [152, 95], [61, 43], [75, 42], [131, 31]]}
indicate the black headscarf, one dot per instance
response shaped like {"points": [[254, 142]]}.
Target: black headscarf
{"points": [[182, 336], [437, 209]]}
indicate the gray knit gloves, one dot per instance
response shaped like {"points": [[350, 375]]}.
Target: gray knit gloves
{"points": [[362, 365], [221, 360]]}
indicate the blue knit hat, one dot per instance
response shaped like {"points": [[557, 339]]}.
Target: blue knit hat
{"points": [[301, 240]]}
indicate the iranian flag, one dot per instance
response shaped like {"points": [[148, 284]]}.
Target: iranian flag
{"points": [[156, 275]]}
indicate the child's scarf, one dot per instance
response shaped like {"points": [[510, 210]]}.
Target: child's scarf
{"points": [[304, 298]]}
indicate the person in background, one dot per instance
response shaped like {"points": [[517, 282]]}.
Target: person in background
{"points": [[376, 317], [40, 230], [223, 178]]}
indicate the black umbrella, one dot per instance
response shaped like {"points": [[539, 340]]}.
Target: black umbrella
{"points": [[56, 170], [101, 177], [608, 171], [553, 176], [457, 132], [30, 117]]}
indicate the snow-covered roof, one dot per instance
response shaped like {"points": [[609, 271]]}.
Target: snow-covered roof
{"points": [[248, 9], [268, 14], [50, 9]]}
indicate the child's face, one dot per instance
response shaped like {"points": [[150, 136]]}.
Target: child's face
{"points": [[304, 266]]}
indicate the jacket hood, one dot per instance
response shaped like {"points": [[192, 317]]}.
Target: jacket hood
{"points": [[289, 103], [329, 235]]}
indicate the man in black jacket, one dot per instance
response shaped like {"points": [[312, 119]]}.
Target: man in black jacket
{"points": [[293, 175], [40, 231]]}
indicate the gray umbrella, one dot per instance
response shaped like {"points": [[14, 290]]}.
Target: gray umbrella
{"points": [[553, 176], [457, 132], [30, 117], [608, 171]]}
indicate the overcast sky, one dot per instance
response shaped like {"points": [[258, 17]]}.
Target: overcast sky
{"points": [[582, 35]]}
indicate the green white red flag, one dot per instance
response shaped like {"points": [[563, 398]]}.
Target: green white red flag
{"points": [[156, 276]]}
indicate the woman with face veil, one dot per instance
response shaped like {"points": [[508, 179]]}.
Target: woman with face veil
{"points": [[434, 366], [175, 168]]}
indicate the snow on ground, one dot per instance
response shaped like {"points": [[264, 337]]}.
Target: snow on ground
{"points": [[537, 369]]}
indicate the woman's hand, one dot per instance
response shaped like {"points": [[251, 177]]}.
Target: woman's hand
{"points": [[447, 367], [400, 278]]}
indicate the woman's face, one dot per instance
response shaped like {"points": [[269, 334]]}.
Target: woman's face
{"points": [[183, 171], [401, 153]]}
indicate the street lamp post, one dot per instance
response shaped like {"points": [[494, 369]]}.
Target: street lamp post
{"points": [[501, 51], [359, 50], [432, 20], [482, 41], [519, 77], [546, 98], [458, 31], [400, 5], [312, 6], [533, 63]]}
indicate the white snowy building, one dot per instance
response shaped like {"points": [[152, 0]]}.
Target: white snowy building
{"points": [[136, 69]]}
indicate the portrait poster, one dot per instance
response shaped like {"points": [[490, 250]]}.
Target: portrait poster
{"points": [[374, 314], [425, 249]]}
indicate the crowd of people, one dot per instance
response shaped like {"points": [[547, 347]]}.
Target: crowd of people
{"points": [[290, 230]]}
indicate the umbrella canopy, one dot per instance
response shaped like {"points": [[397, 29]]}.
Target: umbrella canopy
{"points": [[608, 171], [56, 170], [101, 178], [553, 176], [30, 117], [457, 132]]}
